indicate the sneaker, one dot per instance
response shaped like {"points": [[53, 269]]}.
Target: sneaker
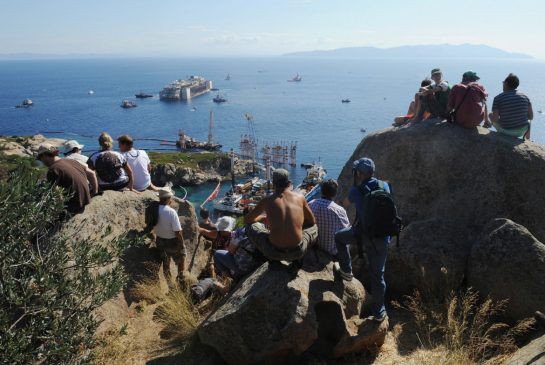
{"points": [[344, 275]]}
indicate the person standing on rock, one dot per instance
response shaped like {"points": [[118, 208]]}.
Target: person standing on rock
{"points": [[468, 101], [512, 110], [168, 235], [70, 175], [376, 248], [111, 167], [139, 162], [330, 216], [292, 227]]}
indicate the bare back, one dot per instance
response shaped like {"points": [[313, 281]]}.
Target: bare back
{"points": [[286, 214]]}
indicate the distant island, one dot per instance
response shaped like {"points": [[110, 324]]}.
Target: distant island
{"points": [[425, 51]]}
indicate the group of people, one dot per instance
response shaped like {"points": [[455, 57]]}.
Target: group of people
{"points": [[284, 227], [465, 104], [85, 177]]}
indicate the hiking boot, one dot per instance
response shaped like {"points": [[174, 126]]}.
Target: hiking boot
{"points": [[344, 275]]}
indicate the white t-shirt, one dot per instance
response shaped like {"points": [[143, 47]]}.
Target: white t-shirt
{"points": [[138, 160], [168, 223], [78, 157], [443, 85]]}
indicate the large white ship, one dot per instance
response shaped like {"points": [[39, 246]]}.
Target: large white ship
{"points": [[186, 89]]}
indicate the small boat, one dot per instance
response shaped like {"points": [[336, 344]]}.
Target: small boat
{"points": [[142, 95], [219, 99], [25, 104], [345, 101], [214, 89], [540, 111], [91, 92], [228, 77], [295, 78], [126, 104], [194, 109], [363, 130]]}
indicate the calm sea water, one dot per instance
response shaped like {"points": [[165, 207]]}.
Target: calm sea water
{"points": [[309, 112]]}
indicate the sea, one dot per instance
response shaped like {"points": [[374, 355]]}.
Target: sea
{"points": [[309, 112]]}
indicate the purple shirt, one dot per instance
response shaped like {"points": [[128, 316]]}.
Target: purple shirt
{"points": [[330, 218]]}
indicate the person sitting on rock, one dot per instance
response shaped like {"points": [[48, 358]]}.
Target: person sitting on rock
{"points": [[221, 233], [376, 249], [168, 235], [139, 163], [69, 175], [512, 110], [111, 167], [72, 151], [291, 222], [330, 216], [468, 100], [434, 98], [414, 106]]}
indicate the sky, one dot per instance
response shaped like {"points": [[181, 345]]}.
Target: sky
{"points": [[219, 28]]}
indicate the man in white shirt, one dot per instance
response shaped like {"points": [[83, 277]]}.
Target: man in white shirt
{"points": [[72, 151], [139, 162], [168, 235]]}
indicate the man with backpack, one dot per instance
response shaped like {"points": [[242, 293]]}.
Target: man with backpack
{"points": [[467, 102], [376, 220], [111, 167]]}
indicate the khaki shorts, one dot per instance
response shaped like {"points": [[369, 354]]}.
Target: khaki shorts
{"points": [[171, 247], [259, 236]]}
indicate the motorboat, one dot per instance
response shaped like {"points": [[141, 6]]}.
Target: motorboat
{"points": [[295, 78], [142, 95], [345, 100], [219, 99], [127, 104], [25, 104], [91, 92]]}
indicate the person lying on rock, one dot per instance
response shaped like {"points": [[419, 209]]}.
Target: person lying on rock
{"points": [[292, 225], [168, 235], [70, 175], [375, 248]]}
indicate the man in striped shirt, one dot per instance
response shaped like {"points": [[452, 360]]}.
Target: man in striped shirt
{"points": [[512, 110], [330, 216]]}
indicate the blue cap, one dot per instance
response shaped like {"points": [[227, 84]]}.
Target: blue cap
{"points": [[365, 165]]}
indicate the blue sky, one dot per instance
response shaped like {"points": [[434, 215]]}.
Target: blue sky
{"points": [[263, 27]]}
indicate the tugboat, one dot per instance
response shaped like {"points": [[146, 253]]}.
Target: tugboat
{"points": [[126, 104], [142, 95], [219, 99], [25, 104], [295, 78], [345, 101]]}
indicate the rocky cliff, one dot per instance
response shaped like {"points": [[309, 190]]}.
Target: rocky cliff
{"points": [[451, 184]]}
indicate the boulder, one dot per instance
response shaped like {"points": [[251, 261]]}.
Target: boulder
{"points": [[531, 354], [279, 312], [432, 257], [442, 171], [508, 262], [27, 146]]}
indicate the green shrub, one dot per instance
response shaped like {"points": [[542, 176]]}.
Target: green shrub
{"points": [[49, 287]]}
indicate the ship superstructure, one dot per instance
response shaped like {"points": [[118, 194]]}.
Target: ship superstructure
{"points": [[186, 89]]}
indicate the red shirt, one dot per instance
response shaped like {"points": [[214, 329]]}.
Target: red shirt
{"points": [[470, 112]]}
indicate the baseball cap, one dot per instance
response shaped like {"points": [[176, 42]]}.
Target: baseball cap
{"points": [[46, 148], [70, 145], [365, 165], [471, 75], [436, 71]]}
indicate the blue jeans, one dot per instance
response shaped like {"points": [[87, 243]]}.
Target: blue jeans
{"points": [[376, 251], [225, 263]]}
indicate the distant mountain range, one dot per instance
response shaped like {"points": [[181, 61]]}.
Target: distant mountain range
{"points": [[427, 51]]}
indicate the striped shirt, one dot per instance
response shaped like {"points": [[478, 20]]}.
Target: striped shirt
{"points": [[330, 218], [512, 107]]}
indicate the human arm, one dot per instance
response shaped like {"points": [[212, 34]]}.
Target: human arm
{"points": [[212, 234], [309, 219], [232, 248], [128, 170], [180, 237], [92, 178], [255, 215]]}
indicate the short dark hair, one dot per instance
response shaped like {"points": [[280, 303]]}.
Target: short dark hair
{"points": [[329, 188], [204, 213], [512, 81], [126, 140], [425, 82]]}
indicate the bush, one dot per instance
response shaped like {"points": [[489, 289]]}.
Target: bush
{"points": [[49, 286]]}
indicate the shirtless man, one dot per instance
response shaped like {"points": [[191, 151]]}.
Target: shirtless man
{"points": [[291, 222]]}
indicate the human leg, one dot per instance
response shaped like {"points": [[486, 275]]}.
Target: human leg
{"points": [[377, 252], [224, 262], [343, 239]]}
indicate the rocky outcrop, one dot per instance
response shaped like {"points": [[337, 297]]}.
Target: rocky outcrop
{"points": [[279, 312], [26, 146], [509, 263], [216, 169], [449, 183], [531, 354]]}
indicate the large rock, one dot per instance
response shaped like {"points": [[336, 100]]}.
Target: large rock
{"points": [[443, 171], [509, 263], [27, 146], [432, 256], [531, 354], [278, 313]]}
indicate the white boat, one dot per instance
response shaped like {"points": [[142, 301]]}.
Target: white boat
{"points": [[310, 187], [186, 89], [91, 92], [295, 78]]}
